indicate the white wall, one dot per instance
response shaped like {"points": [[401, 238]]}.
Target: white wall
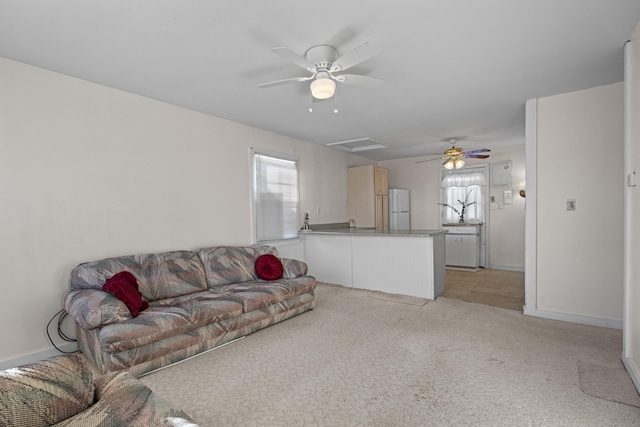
{"points": [[506, 232], [631, 350], [579, 156], [88, 172]]}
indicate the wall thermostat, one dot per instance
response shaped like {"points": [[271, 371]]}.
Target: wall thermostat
{"points": [[508, 197]]}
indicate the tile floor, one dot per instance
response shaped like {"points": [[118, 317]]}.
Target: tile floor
{"points": [[498, 288]]}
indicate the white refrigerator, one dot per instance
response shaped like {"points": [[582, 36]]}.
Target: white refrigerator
{"points": [[399, 215]]}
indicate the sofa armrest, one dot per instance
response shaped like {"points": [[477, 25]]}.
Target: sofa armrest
{"points": [[293, 268], [124, 400], [114, 383], [92, 308], [46, 392]]}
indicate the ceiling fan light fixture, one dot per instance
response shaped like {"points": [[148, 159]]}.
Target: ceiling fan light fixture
{"points": [[323, 88], [449, 164], [459, 163]]}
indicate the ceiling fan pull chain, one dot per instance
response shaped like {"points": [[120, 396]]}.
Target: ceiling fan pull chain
{"points": [[335, 98], [310, 100]]}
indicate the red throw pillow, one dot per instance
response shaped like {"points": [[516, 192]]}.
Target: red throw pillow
{"points": [[125, 287], [269, 267]]}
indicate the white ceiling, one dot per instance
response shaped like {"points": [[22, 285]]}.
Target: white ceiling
{"points": [[452, 68]]}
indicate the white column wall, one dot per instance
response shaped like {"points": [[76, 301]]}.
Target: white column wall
{"points": [[631, 350], [579, 156]]}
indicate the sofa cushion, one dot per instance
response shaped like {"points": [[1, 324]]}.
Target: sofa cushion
{"points": [[300, 285], [258, 294], [159, 276], [92, 308], [268, 267], [167, 318], [232, 264], [125, 287], [45, 393]]}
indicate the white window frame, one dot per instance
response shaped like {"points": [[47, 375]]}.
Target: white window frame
{"points": [[281, 230], [447, 215]]}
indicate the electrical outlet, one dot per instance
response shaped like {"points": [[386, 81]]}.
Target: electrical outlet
{"points": [[571, 204], [318, 211]]}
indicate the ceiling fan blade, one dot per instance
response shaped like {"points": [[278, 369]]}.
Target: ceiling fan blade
{"points": [[285, 81], [477, 156], [429, 160], [292, 57], [355, 56], [357, 80], [483, 150]]}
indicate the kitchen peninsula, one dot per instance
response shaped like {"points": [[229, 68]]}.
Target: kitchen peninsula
{"points": [[407, 262]]}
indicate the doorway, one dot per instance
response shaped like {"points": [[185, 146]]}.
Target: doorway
{"points": [[497, 288]]}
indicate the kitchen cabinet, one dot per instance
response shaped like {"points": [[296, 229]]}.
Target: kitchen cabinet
{"points": [[368, 196], [380, 181], [382, 212], [462, 246]]}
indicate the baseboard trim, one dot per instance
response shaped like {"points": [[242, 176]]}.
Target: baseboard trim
{"points": [[633, 371], [505, 267], [574, 318], [38, 356]]}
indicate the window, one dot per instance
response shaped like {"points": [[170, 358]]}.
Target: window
{"points": [[275, 196], [463, 189]]}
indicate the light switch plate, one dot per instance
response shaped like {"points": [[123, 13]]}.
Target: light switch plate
{"points": [[571, 204]]}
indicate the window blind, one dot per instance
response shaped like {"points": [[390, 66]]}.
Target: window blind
{"points": [[275, 197]]}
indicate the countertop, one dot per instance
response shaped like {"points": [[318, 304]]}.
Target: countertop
{"points": [[359, 231]]}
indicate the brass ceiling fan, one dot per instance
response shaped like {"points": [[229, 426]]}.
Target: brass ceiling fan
{"points": [[454, 156]]}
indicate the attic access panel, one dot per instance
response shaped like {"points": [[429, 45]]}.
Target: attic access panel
{"points": [[354, 145]]}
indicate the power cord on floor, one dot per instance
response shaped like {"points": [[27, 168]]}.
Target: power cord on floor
{"points": [[61, 315]]}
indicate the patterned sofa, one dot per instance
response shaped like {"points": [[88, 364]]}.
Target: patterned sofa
{"points": [[65, 391], [197, 301]]}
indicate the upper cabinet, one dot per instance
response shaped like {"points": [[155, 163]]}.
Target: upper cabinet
{"points": [[367, 196], [381, 181]]}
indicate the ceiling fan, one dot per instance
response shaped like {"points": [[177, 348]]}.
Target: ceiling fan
{"points": [[453, 157], [324, 65]]}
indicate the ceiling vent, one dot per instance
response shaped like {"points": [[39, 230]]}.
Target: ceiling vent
{"points": [[361, 144]]}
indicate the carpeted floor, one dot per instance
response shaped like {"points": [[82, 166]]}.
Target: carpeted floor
{"points": [[357, 360], [608, 382]]}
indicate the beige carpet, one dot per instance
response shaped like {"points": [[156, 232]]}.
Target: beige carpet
{"points": [[361, 361], [608, 382], [402, 299]]}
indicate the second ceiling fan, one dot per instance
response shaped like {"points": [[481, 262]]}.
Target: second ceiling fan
{"points": [[326, 67], [454, 156]]}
